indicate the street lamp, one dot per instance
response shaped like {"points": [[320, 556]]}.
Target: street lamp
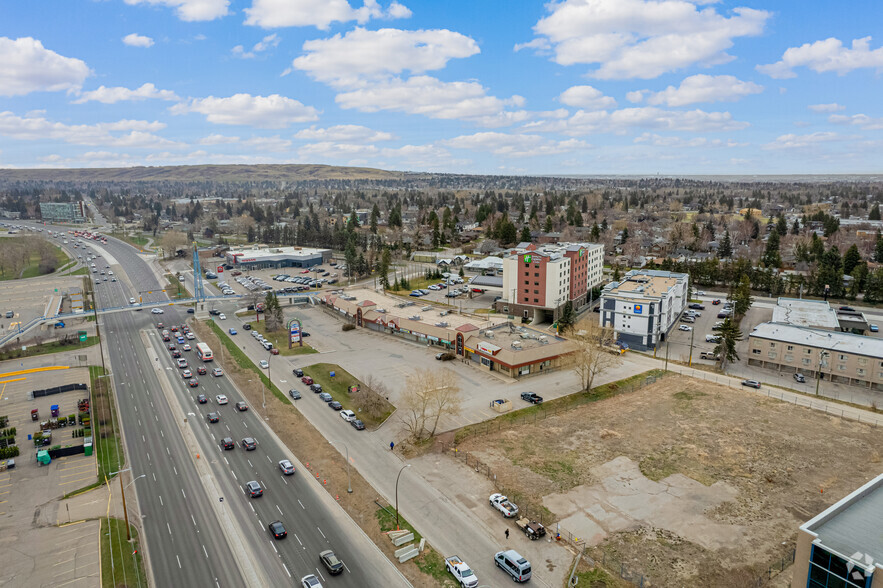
{"points": [[349, 486], [136, 479], [407, 465], [822, 355]]}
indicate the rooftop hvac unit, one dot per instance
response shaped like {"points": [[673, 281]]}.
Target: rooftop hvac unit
{"points": [[426, 308], [489, 334], [441, 324], [543, 339], [516, 344], [381, 310], [416, 317], [443, 313]]}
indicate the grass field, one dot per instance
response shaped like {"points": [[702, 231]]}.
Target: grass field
{"points": [[176, 289], [282, 337], [338, 387], [44, 348], [121, 562], [430, 562], [32, 270]]}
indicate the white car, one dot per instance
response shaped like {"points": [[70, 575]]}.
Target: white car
{"points": [[221, 399], [348, 415], [264, 364], [222, 316], [156, 311], [131, 300], [502, 504], [189, 335], [685, 328]]}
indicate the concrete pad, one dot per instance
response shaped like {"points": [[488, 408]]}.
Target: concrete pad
{"points": [[625, 499]]}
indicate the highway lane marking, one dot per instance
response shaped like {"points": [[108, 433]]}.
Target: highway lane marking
{"points": [[286, 570], [274, 548], [182, 492], [169, 452], [249, 463], [169, 528], [161, 433], [280, 510], [225, 459], [301, 504], [320, 575], [268, 459], [179, 561], [321, 533], [193, 519], [234, 474], [161, 503], [205, 552], [252, 508], [143, 440], [345, 566], [298, 539], [154, 476]]}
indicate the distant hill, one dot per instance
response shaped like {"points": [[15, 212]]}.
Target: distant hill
{"points": [[202, 173]]}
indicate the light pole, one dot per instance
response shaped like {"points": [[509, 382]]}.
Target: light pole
{"points": [[822, 355], [264, 387], [349, 486], [407, 465]]}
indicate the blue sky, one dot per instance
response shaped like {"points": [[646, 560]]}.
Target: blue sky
{"points": [[487, 86]]}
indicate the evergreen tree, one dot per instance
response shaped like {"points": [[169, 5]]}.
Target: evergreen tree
{"points": [[625, 235], [395, 216], [375, 214], [816, 248], [795, 228], [726, 346], [830, 273], [782, 226], [604, 225], [771, 257], [525, 234], [874, 288], [878, 248], [436, 234], [725, 249], [385, 261], [353, 222], [548, 226], [742, 298], [874, 215], [596, 232], [851, 259], [566, 320]]}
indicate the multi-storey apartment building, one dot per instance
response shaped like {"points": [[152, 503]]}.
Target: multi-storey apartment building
{"points": [[643, 306], [539, 280]]}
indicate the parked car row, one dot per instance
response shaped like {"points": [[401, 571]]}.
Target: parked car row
{"points": [[347, 415], [226, 290]]}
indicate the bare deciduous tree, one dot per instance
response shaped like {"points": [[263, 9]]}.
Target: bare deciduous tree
{"points": [[429, 394], [591, 357], [371, 397], [172, 241]]}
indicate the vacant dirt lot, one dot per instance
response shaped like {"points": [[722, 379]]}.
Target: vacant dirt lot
{"points": [[690, 483]]}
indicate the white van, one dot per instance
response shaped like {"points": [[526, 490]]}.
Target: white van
{"points": [[513, 564]]}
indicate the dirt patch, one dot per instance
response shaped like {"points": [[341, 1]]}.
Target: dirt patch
{"points": [[312, 448], [773, 461]]}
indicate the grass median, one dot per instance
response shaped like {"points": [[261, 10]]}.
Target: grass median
{"points": [[121, 561], [339, 386], [176, 289], [105, 433], [429, 562], [45, 348], [243, 361]]}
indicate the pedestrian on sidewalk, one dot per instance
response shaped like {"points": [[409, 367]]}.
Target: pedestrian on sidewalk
{"points": [[391, 445], [507, 534]]}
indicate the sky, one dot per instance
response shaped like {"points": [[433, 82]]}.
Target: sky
{"points": [[458, 86]]}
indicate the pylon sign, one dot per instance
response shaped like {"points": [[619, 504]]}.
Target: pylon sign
{"points": [[294, 333]]}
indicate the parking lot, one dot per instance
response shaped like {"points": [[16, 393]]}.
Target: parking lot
{"points": [[680, 340], [261, 281]]}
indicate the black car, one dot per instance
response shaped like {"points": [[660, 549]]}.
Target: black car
{"points": [[359, 425], [227, 443], [317, 388], [532, 397], [335, 405], [331, 563], [847, 309], [696, 306], [214, 312], [213, 417], [298, 372], [241, 406], [304, 334], [278, 530], [190, 311], [249, 444], [254, 489], [247, 327], [294, 394], [201, 399]]}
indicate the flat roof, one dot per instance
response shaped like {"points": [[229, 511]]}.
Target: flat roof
{"points": [[278, 252], [646, 285], [851, 527], [830, 340], [805, 313]]}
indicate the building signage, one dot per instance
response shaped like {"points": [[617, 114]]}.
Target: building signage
{"points": [[431, 338], [581, 251], [487, 348], [405, 331], [527, 258], [469, 350], [220, 269], [639, 308]]}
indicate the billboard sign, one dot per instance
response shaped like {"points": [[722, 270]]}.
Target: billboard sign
{"points": [[294, 333]]}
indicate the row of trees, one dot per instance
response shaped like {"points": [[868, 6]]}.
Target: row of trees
{"points": [[18, 254]]}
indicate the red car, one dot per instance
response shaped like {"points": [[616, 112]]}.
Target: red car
{"points": [[274, 351], [715, 302], [307, 380], [305, 271], [201, 370]]}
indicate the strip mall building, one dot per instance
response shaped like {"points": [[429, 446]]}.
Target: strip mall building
{"points": [[495, 344]]}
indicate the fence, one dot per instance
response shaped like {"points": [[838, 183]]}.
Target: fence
{"points": [[775, 569]]}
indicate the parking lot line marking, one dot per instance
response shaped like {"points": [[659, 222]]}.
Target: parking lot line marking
{"points": [[7, 382], [64, 562], [35, 370], [75, 481]]}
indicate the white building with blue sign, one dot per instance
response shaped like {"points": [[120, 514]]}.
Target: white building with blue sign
{"points": [[644, 306]]}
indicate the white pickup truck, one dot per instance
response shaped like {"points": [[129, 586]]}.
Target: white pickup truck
{"points": [[502, 504], [458, 568]]}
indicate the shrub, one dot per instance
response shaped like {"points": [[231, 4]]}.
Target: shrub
{"points": [[447, 356], [348, 327]]}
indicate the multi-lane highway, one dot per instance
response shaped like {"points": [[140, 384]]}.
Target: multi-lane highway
{"points": [[194, 537]]}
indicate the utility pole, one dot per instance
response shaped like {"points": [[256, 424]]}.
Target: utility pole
{"points": [[667, 344], [690, 360]]}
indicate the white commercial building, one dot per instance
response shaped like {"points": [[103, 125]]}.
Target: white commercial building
{"points": [[263, 257], [643, 306]]}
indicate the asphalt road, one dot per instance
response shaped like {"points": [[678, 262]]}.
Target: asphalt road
{"points": [[186, 544]]}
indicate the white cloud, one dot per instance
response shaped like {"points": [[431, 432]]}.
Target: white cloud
{"points": [[859, 120], [514, 145], [636, 96], [641, 38], [264, 44], [360, 54], [427, 96], [191, 10], [825, 56], [344, 134], [136, 40], [26, 66], [680, 142], [833, 107], [116, 94], [703, 88], [332, 150], [586, 97], [268, 144], [271, 14], [267, 112], [792, 141], [215, 139], [621, 121], [137, 133]]}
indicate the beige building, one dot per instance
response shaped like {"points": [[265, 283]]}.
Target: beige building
{"points": [[843, 545], [495, 344], [835, 356]]}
